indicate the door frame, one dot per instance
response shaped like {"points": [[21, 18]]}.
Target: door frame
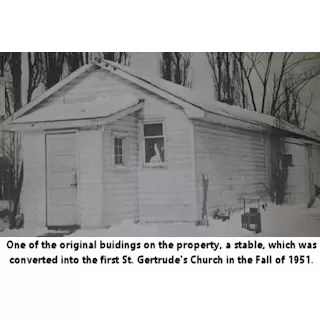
{"points": [[77, 214]]}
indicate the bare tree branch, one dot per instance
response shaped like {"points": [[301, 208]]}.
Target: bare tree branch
{"points": [[119, 57], [53, 64], [256, 80], [176, 67]]}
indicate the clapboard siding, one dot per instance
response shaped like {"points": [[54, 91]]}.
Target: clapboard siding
{"points": [[297, 188], [236, 162], [165, 194], [90, 180], [233, 160], [120, 185], [33, 194]]}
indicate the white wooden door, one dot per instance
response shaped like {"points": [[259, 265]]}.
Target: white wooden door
{"points": [[61, 167]]}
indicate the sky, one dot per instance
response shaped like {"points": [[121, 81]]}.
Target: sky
{"points": [[202, 79], [148, 63]]}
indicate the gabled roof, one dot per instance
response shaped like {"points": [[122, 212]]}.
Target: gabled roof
{"points": [[101, 108], [48, 93], [194, 105], [102, 112]]}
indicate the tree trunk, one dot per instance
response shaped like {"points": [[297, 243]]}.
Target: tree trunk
{"points": [[16, 79], [17, 200]]}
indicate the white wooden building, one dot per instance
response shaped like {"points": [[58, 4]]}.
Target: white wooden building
{"points": [[106, 144]]}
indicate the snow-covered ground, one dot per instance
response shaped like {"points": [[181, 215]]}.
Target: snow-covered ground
{"points": [[277, 221]]}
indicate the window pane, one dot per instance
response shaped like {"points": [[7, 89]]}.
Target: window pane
{"points": [[118, 158], [154, 129], [154, 150], [118, 142]]}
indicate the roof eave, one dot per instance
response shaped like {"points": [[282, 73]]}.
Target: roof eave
{"points": [[48, 93], [75, 123]]}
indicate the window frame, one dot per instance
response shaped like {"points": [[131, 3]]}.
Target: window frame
{"points": [[143, 139], [123, 136]]}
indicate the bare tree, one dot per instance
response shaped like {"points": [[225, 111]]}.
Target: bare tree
{"points": [[176, 67], [53, 67], [13, 61], [264, 83], [35, 72], [282, 88], [228, 78], [11, 65], [119, 57], [294, 108], [76, 60], [6, 73], [2, 62]]}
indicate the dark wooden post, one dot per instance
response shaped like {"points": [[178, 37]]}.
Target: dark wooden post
{"points": [[205, 183]]}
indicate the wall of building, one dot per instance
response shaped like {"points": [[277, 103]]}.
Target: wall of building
{"points": [[297, 187], [33, 194], [90, 181], [234, 161], [316, 164], [165, 194], [120, 183]]}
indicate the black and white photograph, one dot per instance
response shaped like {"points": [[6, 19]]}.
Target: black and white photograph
{"points": [[178, 144], [159, 160]]}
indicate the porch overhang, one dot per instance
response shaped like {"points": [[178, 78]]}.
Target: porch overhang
{"points": [[83, 115]]}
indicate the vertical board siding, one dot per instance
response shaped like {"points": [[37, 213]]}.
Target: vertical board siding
{"points": [[33, 194], [316, 164], [61, 168], [234, 161], [120, 184], [90, 179]]}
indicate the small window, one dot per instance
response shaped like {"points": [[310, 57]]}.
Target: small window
{"points": [[154, 145], [287, 160], [118, 151]]}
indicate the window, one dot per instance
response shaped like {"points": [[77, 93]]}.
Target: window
{"points": [[287, 160], [118, 151], [154, 145]]}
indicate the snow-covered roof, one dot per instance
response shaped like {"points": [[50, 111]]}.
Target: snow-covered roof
{"points": [[191, 98], [101, 108], [195, 106]]}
